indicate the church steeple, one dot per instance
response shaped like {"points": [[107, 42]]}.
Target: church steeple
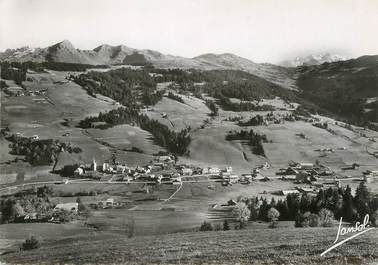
{"points": [[94, 165]]}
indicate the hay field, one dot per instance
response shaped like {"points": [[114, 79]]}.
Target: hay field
{"points": [[255, 246], [192, 113]]}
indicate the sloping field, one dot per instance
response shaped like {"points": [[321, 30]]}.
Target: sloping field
{"points": [[255, 246], [125, 137], [288, 146], [43, 116], [210, 148], [192, 113]]}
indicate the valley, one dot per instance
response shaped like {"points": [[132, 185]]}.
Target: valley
{"points": [[140, 185]]}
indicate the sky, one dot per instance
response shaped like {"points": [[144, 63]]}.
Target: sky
{"points": [[260, 30]]}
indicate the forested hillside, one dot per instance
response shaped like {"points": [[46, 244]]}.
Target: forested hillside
{"points": [[348, 88]]}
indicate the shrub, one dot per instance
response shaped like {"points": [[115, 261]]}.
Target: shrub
{"points": [[273, 215], [30, 243], [313, 220], [302, 220], [226, 225], [374, 218], [206, 226], [241, 212], [326, 217], [218, 227]]}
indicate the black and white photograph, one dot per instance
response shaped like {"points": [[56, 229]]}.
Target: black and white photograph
{"points": [[189, 132]]}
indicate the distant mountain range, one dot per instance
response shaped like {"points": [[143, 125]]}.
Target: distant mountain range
{"points": [[314, 59], [345, 87], [112, 55]]}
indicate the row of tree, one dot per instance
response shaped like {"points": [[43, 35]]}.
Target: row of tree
{"points": [[254, 140], [13, 71], [39, 152], [327, 205], [37, 205], [175, 97], [175, 142], [253, 121]]}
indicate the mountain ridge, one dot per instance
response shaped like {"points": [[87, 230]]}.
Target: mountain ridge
{"points": [[314, 59], [65, 51]]}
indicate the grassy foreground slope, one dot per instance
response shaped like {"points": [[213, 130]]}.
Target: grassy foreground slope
{"points": [[265, 246]]}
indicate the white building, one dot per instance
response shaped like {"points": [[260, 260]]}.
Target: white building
{"points": [[228, 169], [105, 167], [79, 171], [187, 171], [70, 206], [214, 170]]}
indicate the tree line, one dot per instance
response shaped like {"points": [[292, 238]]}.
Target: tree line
{"points": [[39, 152], [332, 203], [254, 140], [175, 142], [253, 121]]}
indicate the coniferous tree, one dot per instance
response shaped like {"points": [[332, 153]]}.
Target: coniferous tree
{"points": [[348, 210], [361, 201]]}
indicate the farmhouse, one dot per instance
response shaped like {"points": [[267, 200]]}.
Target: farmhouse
{"points": [[109, 202], [78, 172], [122, 169], [228, 169], [98, 124], [34, 137], [166, 159], [286, 192], [187, 171], [214, 170], [14, 91], [234, 178], [246, 178], [304, 165], [70, 206], [303, 177], [291, 171], [289, 177]]}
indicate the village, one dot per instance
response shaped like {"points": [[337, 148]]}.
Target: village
{"points": [[164, 170]]}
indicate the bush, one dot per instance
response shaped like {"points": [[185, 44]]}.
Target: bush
{"points": [[241, 212], [30, 243], [374, 218], [326, 217], [206, 226], [313, 220], [273, 215], [302, 220], [63, 216], [226, 225]]}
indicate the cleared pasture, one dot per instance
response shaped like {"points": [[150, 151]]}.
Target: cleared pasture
{"points": [[256, 246]]}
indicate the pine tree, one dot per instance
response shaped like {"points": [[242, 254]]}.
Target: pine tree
{"points": [[361, 201], [348, 210], [226, 225]]}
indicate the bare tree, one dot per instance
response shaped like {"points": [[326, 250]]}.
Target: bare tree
{"points": [[273, 215], [241, 213]]}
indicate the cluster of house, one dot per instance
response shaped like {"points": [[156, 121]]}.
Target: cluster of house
{"points": [[369, 175], [17, 91], [163, 169], [304, 172]]}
